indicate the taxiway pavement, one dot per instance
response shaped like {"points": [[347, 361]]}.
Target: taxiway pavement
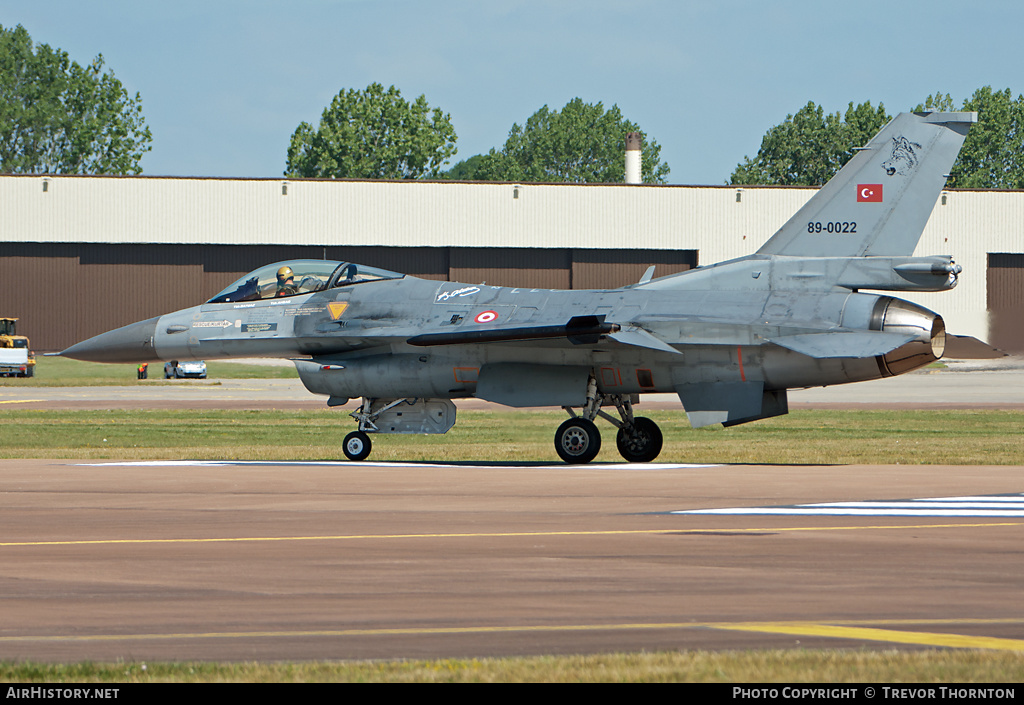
{"points": [[237, 561]]}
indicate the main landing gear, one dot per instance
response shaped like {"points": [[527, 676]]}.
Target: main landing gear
{"points": [[578, 441]]}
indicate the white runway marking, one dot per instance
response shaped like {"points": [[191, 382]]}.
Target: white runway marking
{"points": [[389, 464], [1008, 505]]}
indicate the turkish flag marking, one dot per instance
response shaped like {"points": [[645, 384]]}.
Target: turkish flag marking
{"points": [[869, 193]]}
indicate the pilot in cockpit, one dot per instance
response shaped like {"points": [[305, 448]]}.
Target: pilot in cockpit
{"points": [[286, 282]]}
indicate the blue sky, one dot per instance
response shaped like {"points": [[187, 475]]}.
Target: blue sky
{"points": [[224, 83]]}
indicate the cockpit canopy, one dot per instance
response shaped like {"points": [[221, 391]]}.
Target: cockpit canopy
{"points": [[299, 276]]}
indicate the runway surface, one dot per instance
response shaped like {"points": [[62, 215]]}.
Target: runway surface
{"points": [[241, 561]]}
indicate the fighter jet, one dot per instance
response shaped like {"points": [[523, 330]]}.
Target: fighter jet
{"points": [[730, 339]]}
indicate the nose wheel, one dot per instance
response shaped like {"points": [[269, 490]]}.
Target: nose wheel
{"points": [[356, 446]]}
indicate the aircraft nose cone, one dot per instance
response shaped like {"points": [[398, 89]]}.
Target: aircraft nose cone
{"points": [[132, 343]]}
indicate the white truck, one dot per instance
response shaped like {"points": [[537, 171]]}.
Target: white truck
{"points": [[14, 362]]}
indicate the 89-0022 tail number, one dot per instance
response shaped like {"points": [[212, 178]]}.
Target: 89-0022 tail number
{"points": [[836, 227]]}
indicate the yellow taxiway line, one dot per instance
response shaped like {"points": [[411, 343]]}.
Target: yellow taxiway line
{"points": [[953, 641], [507, 534], [808, 629]]}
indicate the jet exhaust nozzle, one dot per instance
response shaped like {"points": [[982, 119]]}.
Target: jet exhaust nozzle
{"points": [[898, 316]]}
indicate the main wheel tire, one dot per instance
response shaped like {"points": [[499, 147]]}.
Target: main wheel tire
{"points": [[356, 446], [642, 444], [577, 441]]}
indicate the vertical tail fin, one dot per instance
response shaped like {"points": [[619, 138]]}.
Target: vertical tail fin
{"points": [[880, 201]]}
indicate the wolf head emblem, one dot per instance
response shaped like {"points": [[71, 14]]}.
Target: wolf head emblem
{"points": [[903, 158]]}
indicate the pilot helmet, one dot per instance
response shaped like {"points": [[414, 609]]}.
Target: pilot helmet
{"points": [[285, 273]]}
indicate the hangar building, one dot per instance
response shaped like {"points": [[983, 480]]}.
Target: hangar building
{"points": [[80, 255]]}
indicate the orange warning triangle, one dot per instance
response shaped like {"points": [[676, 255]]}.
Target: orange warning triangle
{"points": [[337, 308]]}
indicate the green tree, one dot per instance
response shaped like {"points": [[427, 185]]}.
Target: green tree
{"points": [[808, 148], [58, 117], [993, 153], [464, 170], [939, 102], [582, 143], [373, 134]]}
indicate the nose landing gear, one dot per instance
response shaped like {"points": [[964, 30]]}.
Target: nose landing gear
{"points": [[409, 415], [356, 446]]}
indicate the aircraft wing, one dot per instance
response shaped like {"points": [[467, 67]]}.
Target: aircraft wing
{"points": [[588, 330], [580, 330]]}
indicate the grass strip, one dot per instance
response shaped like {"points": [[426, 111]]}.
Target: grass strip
{"points": [[914, 437], [765, 666]]}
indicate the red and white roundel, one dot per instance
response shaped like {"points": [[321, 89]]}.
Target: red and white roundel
{"points": [[486, 317]]}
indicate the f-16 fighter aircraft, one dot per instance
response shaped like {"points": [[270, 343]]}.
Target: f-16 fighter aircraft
{"points": [[729, 338]]}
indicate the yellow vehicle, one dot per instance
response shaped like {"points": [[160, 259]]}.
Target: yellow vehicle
{"points": [[16, 360]]}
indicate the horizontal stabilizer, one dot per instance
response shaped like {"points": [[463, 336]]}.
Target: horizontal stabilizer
{"points": [[854, 344], [965, 347]]}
